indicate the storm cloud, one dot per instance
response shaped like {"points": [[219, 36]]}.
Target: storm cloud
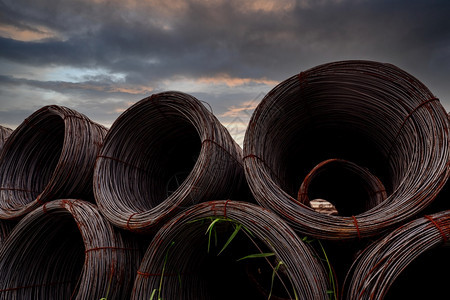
{"points": [[101, 56]]}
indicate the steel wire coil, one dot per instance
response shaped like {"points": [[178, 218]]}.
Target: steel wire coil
{"points": [[5, 226], [5, 132], [372, 114], [65, 249], [165, 153], [51, 155], [376, 269], [338, 173], [179, 263]]}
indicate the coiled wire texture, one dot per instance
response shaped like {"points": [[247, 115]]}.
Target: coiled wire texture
{"points": [[51, 155], [172, 265], [66, 250], [374, 271], [163, 154], [5, 132], [372, 114]]}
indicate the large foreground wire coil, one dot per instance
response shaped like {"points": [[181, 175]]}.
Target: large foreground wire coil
{"points": [[374, 115], [375, 271], [164, 153], [51, 155], [66, 250], [184, 260]]}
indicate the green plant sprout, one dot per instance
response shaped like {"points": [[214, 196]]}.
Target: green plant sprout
{"points": [[237, 228], [331, 293], [162, 274], [107, 289]]}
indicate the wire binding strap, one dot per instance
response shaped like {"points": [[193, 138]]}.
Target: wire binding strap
{"points": [[44, 208], [436, 224], [145, 274], [122, 162], [39, 201], [301, 77], [357, 227], [110, 248], [128, 221], [225, 209]]}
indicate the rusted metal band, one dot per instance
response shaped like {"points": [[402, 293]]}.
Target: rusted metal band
{"points": [[145, 274], [301, 77], [225, 209], [110, 248], [122, 162], [436, 224], [128, 221], [355, 221]]}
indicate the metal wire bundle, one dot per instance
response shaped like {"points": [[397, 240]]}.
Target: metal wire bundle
{"points": [[338, 172], [66, 250], [372, 114], [375, 270], [164, 153], [181, 262], [51, 155], [5, 132]]}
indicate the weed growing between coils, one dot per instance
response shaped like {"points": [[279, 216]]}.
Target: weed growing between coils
{"points": [[264, 273], [331, 276], [159, 289]]}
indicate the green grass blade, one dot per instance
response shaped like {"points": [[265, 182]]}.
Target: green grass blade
{"points": [[153, 294], [233, 235], [330, 270], [275, 270], [257, 255], [210, 227], [295, 293], [163, 270], [210, 230]]}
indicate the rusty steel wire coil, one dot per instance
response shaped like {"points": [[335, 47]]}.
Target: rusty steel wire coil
{"points": [[333, 177], [372, 114], [192, 257], [165, 153], [5, 132], [51, 155], [376, 270], [65, 249]]}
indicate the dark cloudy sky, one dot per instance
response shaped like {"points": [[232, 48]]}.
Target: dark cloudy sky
{"points": [[101, 56]]}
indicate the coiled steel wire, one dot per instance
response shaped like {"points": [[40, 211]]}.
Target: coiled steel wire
{"points": [[5, 132], [165, 153], [372, 114], [66, 250], [51, 155], [338, 173], [180, 263], [376, 269]]}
